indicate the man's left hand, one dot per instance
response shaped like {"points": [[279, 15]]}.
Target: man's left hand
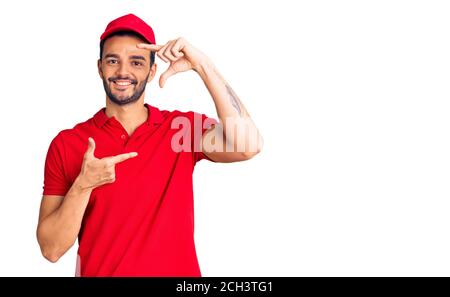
{"points": [[181, 55]]}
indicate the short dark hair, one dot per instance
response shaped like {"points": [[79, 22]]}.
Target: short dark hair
{"points": [[126, 33]]}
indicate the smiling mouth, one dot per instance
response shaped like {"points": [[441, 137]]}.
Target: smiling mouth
{"points": [[122, 84]]}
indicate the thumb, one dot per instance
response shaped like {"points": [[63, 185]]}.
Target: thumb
{"points": [[168, 73], [91, 147]]}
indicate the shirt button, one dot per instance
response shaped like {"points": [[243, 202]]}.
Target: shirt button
{"points": [[123, 136]]}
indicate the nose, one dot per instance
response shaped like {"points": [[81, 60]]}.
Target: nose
{"points": [[123, 70]]}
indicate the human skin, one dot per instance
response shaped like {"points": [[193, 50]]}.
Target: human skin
{"points": [[60, 217]]}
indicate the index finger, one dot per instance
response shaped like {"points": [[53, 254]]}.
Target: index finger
{"points": [[152, 47], [122, 157]]}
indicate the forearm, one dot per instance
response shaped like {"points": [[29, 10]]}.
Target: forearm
{"points": [[58, 231], [226, 101], [237, 125]]}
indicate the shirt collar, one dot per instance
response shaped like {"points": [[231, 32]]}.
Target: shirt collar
{"points": [[154, 116]]}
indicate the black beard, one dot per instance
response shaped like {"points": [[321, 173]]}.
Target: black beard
{"points": [[139, 90]]}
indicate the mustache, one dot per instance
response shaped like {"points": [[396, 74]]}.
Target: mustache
{"points": [[114, 78]]}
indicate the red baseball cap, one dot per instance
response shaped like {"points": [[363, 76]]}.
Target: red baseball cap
{"points": [[130, 22]]}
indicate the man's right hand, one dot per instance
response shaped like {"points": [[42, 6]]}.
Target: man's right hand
{"points": [[96, 172]]}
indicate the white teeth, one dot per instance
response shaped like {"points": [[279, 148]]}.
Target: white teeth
{"points": [[123, 83]]}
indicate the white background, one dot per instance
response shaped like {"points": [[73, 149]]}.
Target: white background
{"points": [[352, 98]]}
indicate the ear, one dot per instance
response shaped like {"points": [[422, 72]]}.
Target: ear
{"points": [[99, 67], [152, 72]]}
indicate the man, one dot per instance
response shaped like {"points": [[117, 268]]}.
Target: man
{"points": [[121, 182]]}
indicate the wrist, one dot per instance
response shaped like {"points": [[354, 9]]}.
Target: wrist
{"points": [[81, 185], [204, 68]]}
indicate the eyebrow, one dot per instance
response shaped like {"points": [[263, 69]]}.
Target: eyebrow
{"points": [[111, 56], [133, 57]]}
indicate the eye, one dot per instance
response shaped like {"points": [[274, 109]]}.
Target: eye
{"points": [[135, 63], [112, 61]]}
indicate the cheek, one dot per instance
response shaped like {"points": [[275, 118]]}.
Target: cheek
{"points": [[140, 76], [106, 72]]}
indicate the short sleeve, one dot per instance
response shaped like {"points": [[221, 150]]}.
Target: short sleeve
{"points": [[55, 182], [206, 123]]}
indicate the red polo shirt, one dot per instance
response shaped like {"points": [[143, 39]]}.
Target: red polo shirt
{"points": [[143, 223]]}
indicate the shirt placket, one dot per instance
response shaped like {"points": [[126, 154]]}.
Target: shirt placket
{"points": [[121, 135]]}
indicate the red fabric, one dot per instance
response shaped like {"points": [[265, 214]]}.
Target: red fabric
{"points": [[143, 223], [130, 22]]}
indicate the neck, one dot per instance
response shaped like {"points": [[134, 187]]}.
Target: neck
{"points": [[130, 115]]}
